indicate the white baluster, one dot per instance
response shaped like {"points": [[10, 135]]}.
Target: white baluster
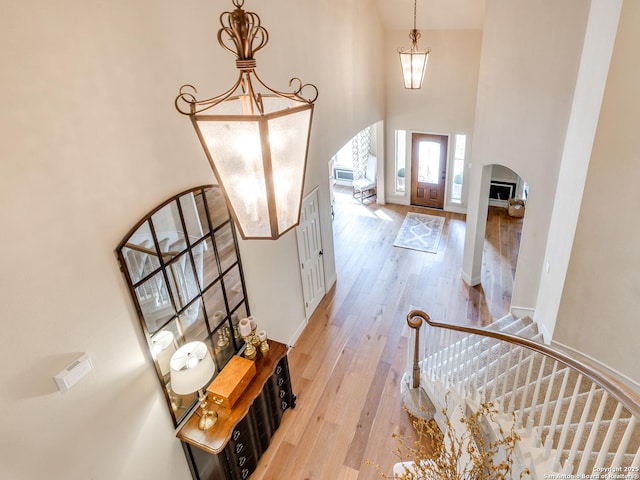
{"points": [[548, 443], [433, 352], [443, 354], [516, 384], [525, 394], [452, 360], [568, 468], [604, 448], [567, 417], [455, 364], [486, 373], [461, 364], [588, 448], [529, 426], [468, 361], [536, 391], [506, 376], [441, 357], [547, 398], [636, 462], [494, 392], [446, 364], [581, 426], [451, 367], [476, 377], [426, 359], [624, 443]]}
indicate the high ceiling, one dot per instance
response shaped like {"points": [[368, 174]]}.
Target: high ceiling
{"points": [[432, 14]]}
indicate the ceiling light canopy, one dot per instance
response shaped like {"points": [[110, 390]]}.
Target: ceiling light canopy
{"points": [[256, 138], [412, 60]]}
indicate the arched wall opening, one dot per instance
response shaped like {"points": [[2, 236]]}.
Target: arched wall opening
{"points": [[499, 192]]}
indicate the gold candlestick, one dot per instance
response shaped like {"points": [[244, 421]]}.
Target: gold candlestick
{"points": [[247, 335], [249, 352], [264, 345]]}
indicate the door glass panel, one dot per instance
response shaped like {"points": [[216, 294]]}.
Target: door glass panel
{"points": [[428, 162]]}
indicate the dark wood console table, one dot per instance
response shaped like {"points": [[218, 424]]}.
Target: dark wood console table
{"points": [[231, 449]]}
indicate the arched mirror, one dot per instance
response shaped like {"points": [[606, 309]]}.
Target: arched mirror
{"points": [[182, 265]]}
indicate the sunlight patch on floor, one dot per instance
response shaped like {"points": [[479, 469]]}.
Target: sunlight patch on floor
{"points": [[383, 216], [356, 209]]}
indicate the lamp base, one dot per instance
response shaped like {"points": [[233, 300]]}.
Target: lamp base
{"points": [[207, 420]]}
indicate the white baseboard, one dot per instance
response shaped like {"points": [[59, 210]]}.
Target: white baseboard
{"points": [[397, 200], [298, 332], [468, 280], [520, 312], [455, 209], [546, 336], [620, 376], [328, 284]]}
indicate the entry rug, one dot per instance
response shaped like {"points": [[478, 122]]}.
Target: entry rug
{"points": [[420, 232]]}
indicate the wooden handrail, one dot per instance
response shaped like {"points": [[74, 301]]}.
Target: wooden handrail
{"points": [[621, 392]]}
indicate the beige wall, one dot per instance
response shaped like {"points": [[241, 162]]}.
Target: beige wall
{"points": [[530, 55], [446, 102], [90, 143], [587, 101], [601, 299]]}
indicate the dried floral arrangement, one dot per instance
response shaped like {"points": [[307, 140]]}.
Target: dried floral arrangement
{"points": [[460, 452]]}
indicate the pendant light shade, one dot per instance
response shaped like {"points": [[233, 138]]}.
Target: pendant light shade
{"points": [[413, 60], [256, 141]]}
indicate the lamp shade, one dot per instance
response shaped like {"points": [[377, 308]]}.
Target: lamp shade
{"points": [[164, 347], [191, 368], [414, 64], [259, 160]]}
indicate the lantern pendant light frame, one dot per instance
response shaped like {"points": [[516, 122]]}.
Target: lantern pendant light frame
{"points": [[413, 61], [243, 35]]}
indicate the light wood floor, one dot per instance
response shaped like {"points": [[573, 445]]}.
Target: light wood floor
{"points": [[347, 364]]}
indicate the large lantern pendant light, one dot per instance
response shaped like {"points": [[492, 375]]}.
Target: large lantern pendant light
{"points": [[256, 138], [412, 60]]}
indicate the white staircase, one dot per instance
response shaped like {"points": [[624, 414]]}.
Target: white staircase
{"points": [[574, 419]]}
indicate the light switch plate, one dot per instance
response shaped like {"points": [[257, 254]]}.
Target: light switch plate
{"points": [[71, 375]]}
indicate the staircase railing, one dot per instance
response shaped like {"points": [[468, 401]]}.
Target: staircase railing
{"points": [[574, 418]]}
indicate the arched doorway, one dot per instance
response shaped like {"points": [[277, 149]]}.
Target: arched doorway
{"points": [[495, 221]]}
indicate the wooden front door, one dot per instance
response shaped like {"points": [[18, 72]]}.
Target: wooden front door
{"points": [[428, 169]]}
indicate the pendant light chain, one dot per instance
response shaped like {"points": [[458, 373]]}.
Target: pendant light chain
{"points": [[414, 13], [413, 60]]}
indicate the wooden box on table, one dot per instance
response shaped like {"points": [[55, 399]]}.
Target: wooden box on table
{"points": [[227, 387]]}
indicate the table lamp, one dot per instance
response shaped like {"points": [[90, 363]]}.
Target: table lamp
{"points": [[191, 369]]}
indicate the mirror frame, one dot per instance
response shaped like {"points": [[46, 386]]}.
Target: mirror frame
{"points": [[182, 265]]}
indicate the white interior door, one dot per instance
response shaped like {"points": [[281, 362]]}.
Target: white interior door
{"points": [[310, 253]]}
